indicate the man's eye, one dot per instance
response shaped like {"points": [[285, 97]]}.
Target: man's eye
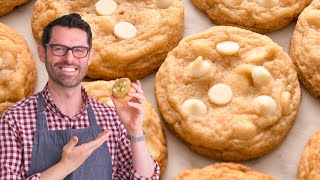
{"points": [[58, 48], [79, 49]]}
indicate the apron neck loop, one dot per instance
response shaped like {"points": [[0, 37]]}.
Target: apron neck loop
{"points": [[41, 116]]}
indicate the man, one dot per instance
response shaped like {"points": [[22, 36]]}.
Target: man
{"points": [[61, 132]]}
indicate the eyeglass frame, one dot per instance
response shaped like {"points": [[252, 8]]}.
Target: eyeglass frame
{"points": [[68, 48]]}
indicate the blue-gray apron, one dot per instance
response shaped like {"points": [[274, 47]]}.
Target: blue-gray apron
{"points": [[48, 145]]}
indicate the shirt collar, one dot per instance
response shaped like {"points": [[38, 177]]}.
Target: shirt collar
{"points": [[52, 106]]}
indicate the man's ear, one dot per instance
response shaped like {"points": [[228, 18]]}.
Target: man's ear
{"points": [[41, 53], [90, 56]]}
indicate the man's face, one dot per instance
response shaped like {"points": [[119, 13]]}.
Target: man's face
{"points": [[67, 70]]}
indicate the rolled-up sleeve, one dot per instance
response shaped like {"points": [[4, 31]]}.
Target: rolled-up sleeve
{"points": [[125, 168]]}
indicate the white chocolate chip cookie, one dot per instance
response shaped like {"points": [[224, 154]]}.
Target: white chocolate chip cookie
{"points": [[245, 103], [156, 139], [17, 68], [8, 5], [304, 48], [130, 38], [309, 166], [261, 16], [222, 171]]}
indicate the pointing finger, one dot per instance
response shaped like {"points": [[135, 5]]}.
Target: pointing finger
{"points": [[101, 138]]}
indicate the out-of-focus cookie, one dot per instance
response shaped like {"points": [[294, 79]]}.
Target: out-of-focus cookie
{"points": [[155, 137], [130, 38], [261, 16], [8, 5], [229, 93], [304, 48], [309, 166], [222, 171], [17, 68]]}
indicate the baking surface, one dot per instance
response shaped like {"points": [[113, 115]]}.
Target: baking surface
{"points": [[281, 163]]}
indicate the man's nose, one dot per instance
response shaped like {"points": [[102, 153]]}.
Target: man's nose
{"points": [[69, 55]]}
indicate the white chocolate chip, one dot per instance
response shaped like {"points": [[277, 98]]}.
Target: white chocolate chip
{"points": [[244, 129], [201, 47], [268, 3], [260, 75], [163, 3], [105, 23], [194, 107], [220, 94], [244, 69], [199, 67], [105, 7], [257, 55], [266, 105], [285, 102], [227, 48], [125, 30]]}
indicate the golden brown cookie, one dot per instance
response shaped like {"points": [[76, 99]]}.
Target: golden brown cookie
{"points": [[304, 48], [229, 93], [8, 5], [155, 137], [121, 88], [261, 16], [309, 166], [227, 171], [17, 68], [131, 42]]}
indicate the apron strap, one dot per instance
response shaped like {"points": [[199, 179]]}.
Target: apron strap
{"points": [[92, 117], [41, 116]]}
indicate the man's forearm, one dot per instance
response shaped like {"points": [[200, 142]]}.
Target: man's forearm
{"points": [[141, 159], [57, 171]]}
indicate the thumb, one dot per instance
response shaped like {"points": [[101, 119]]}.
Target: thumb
{"points": [[116, 102], [73, 142]]}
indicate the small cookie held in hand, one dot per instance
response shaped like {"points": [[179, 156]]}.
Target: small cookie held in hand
{"points": [[121, 88]]}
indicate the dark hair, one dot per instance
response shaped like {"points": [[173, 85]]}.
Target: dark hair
{"points": [[72, 20]]}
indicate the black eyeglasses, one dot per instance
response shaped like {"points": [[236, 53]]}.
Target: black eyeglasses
{"points": [[61, 50]]}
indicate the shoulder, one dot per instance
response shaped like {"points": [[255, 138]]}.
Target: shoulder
{"points": [[103, 110], [27, 104], [23, 112]]}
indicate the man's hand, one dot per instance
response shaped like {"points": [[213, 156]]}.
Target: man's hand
{"points": [[73, 156], [132, 113]]}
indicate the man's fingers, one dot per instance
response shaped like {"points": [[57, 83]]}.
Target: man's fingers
{"points": [[138, 83], [137, 87], [73, 142], [93, 145], [137, 97], [104, 135], [115, 101]]}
